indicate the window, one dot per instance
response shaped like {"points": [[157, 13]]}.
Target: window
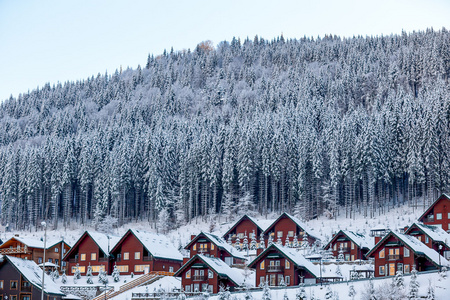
{"points": [[25, 297], [290, 233], [287, 280], [262, 280], [93, 256], [287, 264], [126, 255], [353, 258], [56, 250], [419, 237], [64, 263], [97, 269], [188, 274], [353, 245], [347, 257], [204, 287], [122, 269], [171, 269], [187, 289], [50, 260], [83, 256], [210, 274], [406, 269], [427, 240], [141, 268], [280, 234], [81, 268], [25, 284], [137, 255], [381, 271], [196, 288], [195, 247], [56, 261], [391, 269], [448, 215], [1, 284], [381, 253], [280, 278], [210, 288], [261, 265], [39, 260], [335, 247], [212, 246], [240, 235], [400, 267], [439, 216], [273, 279], [13, 285], [13, 297]]}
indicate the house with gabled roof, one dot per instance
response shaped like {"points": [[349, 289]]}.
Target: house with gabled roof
{"points": [[351, 245], [287, 227], [431, 235], [400, 252], [33, 249], [438, 213], [92, 248], [22, 279], [211, 245], [140, 252], [205, 273], [246, 226], [277, 264]]}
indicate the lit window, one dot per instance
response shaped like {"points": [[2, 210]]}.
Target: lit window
{"points": [[137, 255], [93, 256], [97, 269], [406, 269], [83, 256], [1, 284], [381, 254], [335, 247], [261, 266], [353, 245], [122, 269], [439, 216], [353, 258], [212, 246], [240, 235], [188, 274], [171, 269], [141, 268], [195, 247], [126, 255], [290, 233], [279, 234], [287, 264], [381, 270], [81, 268], [405, 252], [448, 215]]}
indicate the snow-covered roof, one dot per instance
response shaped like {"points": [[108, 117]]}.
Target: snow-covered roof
{"points": [[158, 245], [425, 213], [223, 269], [221, 243], [30, 270], [302, 225], [263, 224], [101, 240], [360, 239], [36, 243], [292, 254], [436, 233]]}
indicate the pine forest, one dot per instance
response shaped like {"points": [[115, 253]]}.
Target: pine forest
{"points": [[312, 126]]}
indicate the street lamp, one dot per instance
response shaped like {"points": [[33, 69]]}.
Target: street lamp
{"points": [[440, 248], [43, 264]]}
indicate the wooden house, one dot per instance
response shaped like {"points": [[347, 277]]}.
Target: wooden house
{"points": [[400, 252], [204, 273], [246, 226], [286, 228], [141, 252], [431, 235], [92, 248], [33, 249], [438, 213], [352, 246], [277, 264], [21, 279], [211, 245]]}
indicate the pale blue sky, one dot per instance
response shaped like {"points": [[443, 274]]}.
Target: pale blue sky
{"points": [[58, 40]]}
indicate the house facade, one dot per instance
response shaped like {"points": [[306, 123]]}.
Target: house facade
{"points": [[287, 227], [246, 226], [438, 213], [350, 245], [400, 252], [278, 264], [431, 235], [92, 248], [18, 278], [33, 249], [211, 245], [204, 273], [140, 252]]}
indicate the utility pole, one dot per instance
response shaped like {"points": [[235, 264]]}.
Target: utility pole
{"points": [[43, 264]]}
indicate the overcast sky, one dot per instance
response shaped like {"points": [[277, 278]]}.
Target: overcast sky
{"points": [[50, 41]]}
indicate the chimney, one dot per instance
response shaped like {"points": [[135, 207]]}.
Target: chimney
{"points": [[17, 235], [258, 251], [193, 236], [377, 239], [185, 260]]}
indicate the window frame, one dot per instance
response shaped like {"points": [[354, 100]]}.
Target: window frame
{"points": [[126, 256], [287, 280], [279, 234], [381, 270], [438, 216], [10, 284], [188, 274], [287, 264], [137, 255], [382, 253], [93, 256], [82, 256], [2, 284], [262, 265]]}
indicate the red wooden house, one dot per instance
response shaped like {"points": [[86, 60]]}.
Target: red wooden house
{"points": [[213, 246], [92, 248], [433, 236], [203, 273], [142, 252], [245, 226], [287, 227], [277, 263], [400, 252], [21, 279], [438, 213], [351, 245], [33, 249]]}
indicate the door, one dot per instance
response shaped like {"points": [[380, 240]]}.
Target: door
{"points": [[391, 269]]}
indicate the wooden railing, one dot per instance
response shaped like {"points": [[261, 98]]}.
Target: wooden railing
{"points": [[17, 250], [394, 257], [274, 268], [171, 295], [199, 278]]}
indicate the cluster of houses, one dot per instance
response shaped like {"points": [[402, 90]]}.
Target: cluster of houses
{"points": [[276, 250]]}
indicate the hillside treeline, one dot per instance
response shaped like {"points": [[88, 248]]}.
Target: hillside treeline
{"points": [[309, 126]]}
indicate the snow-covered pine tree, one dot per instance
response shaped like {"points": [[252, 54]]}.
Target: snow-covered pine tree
{"points": [[89, 275], [300, 293], [261, 241], [253, 241], [64, 277], [413, 286], [266, 294], [328, 293], [116, 274], [77, 274], [224, 293], [351, 291], [102, 277], [430, 292], [399, 281]]}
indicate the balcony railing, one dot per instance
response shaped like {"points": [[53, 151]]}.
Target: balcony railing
{"points": [[199, 278], [146, 258], [428, 219], [394, 257], [274, 269], [344, 249], [73, 260], [25, 289], [202, 250], [17, 250], [102, 259]]}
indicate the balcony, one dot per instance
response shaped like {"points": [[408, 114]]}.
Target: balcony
{"points": [[18, 250], [274, 269], [199, 278], [202, 250], [102, 259], [146, 258], [394, 257], [25, 289], [73, 260]]}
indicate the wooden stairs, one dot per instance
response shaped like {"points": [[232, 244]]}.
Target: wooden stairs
{"points": [[141, 280]]}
